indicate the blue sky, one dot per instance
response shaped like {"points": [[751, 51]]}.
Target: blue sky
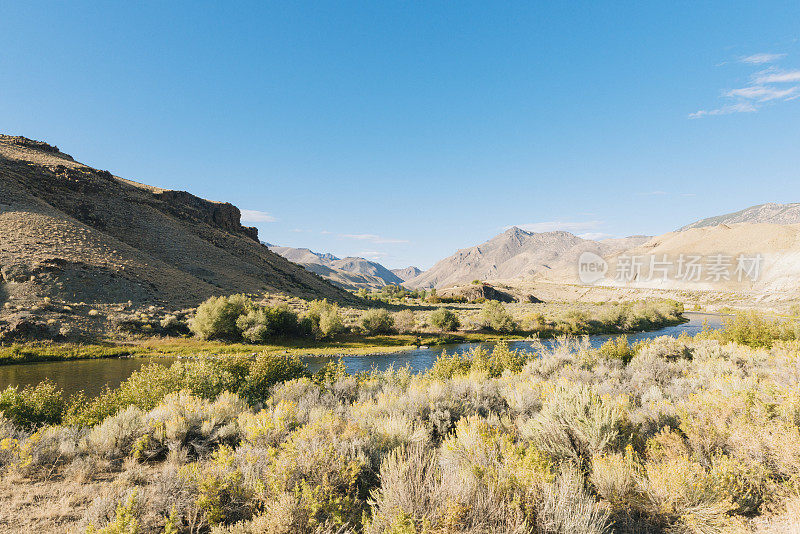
{"points": [[402, 131]]}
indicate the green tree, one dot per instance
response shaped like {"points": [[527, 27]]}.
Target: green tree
{"points": [[445, 320], [495, 317]]}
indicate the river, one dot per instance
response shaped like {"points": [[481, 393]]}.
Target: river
{"points": [[91, 376]]}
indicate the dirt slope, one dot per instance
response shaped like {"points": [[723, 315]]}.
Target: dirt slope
{"points": [[77, 234]]}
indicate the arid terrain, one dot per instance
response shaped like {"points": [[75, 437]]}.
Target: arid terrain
{"points": [[77, 239]]}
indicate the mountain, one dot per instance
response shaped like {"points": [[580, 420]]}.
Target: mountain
{"points": [[408, 273], [303, 255], [515, 254], [768, 255], [762, 213], [350, 272], [72, 233], [345, 279]]}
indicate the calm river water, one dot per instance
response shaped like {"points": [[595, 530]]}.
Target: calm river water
{"points": [[91, 376]]}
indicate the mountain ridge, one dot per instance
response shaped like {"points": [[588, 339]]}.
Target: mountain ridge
{"points": [[770, 212], [75, 233], [351, 272], [514, 254]]}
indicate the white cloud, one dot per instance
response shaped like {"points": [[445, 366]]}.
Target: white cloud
{"points": [[554, 226], [255, 216], [595, 236], [760, 91], [739, 107], [760, 59], [653, 193], [373, 254], [372, 238], [777, 76]]}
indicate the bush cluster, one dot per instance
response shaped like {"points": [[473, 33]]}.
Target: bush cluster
{"points": [[377, 321], [445, 320], [495, 317], [690, 436]]}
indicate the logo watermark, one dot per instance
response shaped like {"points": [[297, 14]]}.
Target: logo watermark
{"points": [[683, 268], [591, 267]]}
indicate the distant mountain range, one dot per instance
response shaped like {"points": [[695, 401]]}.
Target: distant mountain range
{"points": [[518, 254], [761, 213], [515, 254], [408, 273], [349, 273]]}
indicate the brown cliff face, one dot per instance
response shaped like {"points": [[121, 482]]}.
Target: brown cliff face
{"points": [[78, 234]]}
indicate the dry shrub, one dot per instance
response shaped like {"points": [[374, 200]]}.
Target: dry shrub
{"points": [[566, 507]]}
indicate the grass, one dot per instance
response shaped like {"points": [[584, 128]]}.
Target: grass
{"points": [[674, 435], [530, 320]]}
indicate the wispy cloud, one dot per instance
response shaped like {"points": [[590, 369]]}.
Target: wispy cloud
{"points": [[777, 76], [653, 193], [595, 236], [553, 226], [762, 93], [739, 107], [769, 85], [373, 238], [255, 216], [760, 59], [373, 254]]}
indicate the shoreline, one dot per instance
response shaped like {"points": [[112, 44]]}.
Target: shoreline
{"points": [[31, 353]]}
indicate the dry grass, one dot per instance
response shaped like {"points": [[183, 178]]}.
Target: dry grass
{"points": [[691, 436]]}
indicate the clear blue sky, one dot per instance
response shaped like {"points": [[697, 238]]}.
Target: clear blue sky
{"points": [[405, 130]]}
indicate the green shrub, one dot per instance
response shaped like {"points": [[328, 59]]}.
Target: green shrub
{"points": [[255, 325], [755, 330], [284, 321], [617, 348], [145, 388], [268, 370], [325, 318], [216, 317], [445, 320], [377, 321], [33, 406], [259, 324], [404, 321], [495, 317]]}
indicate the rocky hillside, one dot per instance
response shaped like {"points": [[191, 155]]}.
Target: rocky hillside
{"points": [[407, 273], [762, 213], [350, 272], [71, 233], [515, 254]]}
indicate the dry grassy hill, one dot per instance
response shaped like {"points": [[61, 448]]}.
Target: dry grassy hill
{"points": [[778, 246], [72, 233]]}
